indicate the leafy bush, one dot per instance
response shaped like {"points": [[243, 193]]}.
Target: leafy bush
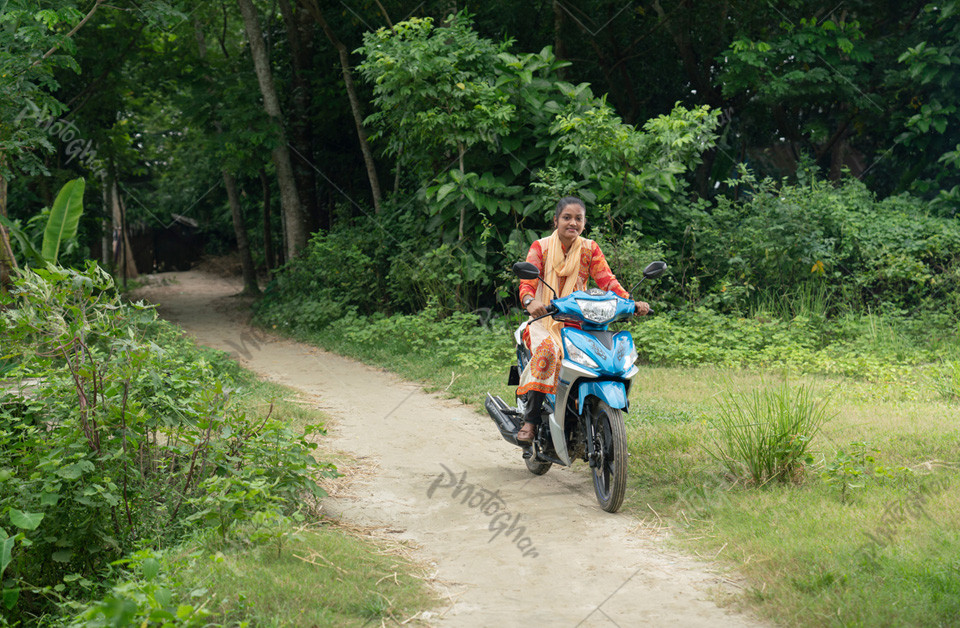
{"points": [[115, 432], [858, 345], [763, 435], [456, 339], [851, 467], [783, 237], [336, 270]]}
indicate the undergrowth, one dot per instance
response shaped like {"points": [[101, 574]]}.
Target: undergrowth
{"points": [[118, 434]]}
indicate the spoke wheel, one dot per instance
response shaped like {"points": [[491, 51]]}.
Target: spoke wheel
{"points": [[610, 444]]}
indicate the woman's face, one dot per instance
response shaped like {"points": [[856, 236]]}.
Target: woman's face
{"points": [[570, 222]]}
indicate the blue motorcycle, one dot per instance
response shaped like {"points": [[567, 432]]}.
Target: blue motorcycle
{"points": [[585, 416]]}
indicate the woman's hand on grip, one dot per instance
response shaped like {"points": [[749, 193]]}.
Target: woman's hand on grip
{"points": [[536, 308]]}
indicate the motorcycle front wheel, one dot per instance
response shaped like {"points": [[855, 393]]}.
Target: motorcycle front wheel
{"points": [[610, 444]]}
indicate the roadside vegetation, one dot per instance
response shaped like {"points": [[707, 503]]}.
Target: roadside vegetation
{"points": [[862, 524], [794, 416], [146, 480], [796, 165]]}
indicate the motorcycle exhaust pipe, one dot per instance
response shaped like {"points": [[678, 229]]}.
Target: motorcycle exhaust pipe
{"points": [[503, 415]]}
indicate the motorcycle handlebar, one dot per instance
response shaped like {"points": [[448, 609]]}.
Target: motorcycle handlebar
{"points": [[552, 309]]}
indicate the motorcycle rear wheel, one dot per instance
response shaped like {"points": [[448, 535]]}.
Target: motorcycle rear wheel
{"points": [[610, 443]]}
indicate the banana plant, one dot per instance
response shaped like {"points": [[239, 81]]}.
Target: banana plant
{"points": [[61, 225]]}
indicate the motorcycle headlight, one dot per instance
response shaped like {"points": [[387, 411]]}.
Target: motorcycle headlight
{"points": [[578, 356], [597, 311]]}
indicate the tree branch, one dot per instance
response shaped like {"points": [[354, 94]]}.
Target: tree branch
{"points": [[96, 6]]}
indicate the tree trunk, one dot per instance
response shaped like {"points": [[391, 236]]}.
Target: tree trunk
{"points": [[270, 263], [125, 264], [296, 232], [463, 208], [106, 240], [7, 261], [240, 230], [298, 25], [559, 49], [314, 8]]}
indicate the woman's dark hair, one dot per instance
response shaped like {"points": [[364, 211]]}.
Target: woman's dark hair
{"points": [[567, 200]]}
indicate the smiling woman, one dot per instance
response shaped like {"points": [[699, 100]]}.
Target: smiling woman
{"points": [[566, 261]]}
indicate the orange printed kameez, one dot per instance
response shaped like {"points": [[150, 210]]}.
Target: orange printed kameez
{"points": [[543, 336]]}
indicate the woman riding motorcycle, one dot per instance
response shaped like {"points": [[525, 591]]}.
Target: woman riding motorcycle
{"points": [[565, 261]]}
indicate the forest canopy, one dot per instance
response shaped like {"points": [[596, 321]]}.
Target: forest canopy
{"points": [[434, 141]]}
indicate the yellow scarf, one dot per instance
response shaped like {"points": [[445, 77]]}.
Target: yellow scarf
{"points": [[558, 264]]}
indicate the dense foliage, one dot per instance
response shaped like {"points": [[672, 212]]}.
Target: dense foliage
{"points": [[119, 434]]}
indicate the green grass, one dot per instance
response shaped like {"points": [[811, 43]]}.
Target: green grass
{"points": [[326, 577], [798, 546]]}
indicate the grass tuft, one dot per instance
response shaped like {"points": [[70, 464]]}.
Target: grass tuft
{"points": [[763, 435]]}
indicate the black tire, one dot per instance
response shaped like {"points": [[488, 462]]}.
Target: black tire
{"points": [[537, 467], [610, 442]]}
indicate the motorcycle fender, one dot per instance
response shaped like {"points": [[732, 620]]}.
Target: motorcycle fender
{"points": [[558, 419], [613, 393]]}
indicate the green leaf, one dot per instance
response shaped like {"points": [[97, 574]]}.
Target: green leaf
{"points": [[62, 556], [445, 190], [10, 597], [26, 246], [25, 520], [471, 196], [151, 567], [184, 611], [75, 470], [64, 218], [6, 551]]}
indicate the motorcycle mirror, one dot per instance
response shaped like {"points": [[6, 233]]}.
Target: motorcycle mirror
{"points": [[526, 270], [654, 270]]}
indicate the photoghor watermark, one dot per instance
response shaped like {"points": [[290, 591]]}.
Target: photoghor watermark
{"points": [[895, 514], [250, 341], [74, 145], [489, 504]]}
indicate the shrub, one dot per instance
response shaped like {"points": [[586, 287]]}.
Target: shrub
{"points": [[336, 270], [763, 435], [118, 432], [783, 237]]}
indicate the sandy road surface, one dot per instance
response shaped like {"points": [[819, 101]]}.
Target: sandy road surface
{"points": [[571, 564]]}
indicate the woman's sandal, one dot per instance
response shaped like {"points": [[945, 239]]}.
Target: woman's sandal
{"points": [[527, 433]]}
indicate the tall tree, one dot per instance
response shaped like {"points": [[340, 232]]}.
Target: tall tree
{"points": [[296, 222], [230, 185], [243, 244], [33, 45], [299, 31], [355, 109], [434, 87]]}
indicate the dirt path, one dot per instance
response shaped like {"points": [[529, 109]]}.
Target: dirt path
{"points": [[510, 548]]}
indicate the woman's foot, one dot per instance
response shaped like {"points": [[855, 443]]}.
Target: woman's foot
{"points": [[527, 433]]}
